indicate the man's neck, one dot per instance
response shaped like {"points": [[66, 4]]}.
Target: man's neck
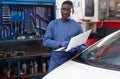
{"points": [[66, 20]]}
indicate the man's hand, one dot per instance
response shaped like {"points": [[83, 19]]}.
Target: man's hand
{"points": [[73, 50], [64, 44]]}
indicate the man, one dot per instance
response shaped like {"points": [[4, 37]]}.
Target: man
{"points": [[58, 34]]}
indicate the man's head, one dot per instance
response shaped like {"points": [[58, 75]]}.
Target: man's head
{"points": [[67, 8]]}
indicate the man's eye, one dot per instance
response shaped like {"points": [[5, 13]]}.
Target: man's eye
{"points": [[64, 9]]}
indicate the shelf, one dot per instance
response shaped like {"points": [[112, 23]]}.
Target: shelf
{"points": [[23, 57], [30, 2], [33, 75], [27, 3], [11, 77], [20, 40], [27, 75]]}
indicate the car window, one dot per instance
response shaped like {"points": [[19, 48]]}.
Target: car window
{"points": [[107, 50]]}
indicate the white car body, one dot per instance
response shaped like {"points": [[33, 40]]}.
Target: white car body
{"points": [[75, 70], [78, 70]]}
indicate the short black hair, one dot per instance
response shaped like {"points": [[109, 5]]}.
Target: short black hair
{"points": [[68, 2]]}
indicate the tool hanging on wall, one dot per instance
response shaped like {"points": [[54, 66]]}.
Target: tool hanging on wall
{"points": [[44, 16], [1, 31], [29, 23], [16, 21], [5, 14], [6, 31], [17, 26]]}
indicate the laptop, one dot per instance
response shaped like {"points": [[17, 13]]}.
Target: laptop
{"points": [[76, 41]]}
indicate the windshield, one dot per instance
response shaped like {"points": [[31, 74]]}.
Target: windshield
{"points": [[106, 50]]}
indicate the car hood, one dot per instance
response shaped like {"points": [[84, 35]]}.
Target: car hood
{"points": [[75, 70]]}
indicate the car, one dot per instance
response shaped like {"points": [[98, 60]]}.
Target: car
{"points": [[101, 60]]}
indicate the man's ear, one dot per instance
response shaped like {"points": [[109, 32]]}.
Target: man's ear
{"points": [[72, 10]]}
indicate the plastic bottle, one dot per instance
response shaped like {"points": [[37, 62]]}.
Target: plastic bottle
{"points": [[31, 68], [36, 67], [24, 68], [8, 72], [44, 66]]}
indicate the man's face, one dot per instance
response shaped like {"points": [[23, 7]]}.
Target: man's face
{"points": [[65, 11]]}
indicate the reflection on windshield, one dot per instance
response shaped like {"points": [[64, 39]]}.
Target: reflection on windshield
{"points": [[105, 52]]}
